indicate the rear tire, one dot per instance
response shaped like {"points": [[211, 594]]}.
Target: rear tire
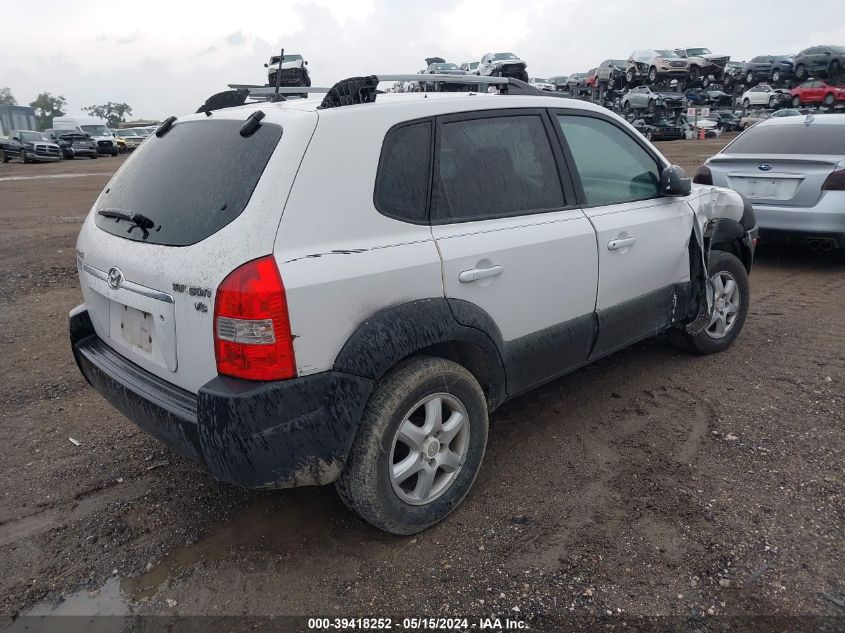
{"points": [[749, 78], [730, 307], [796, 101], [372, 484], [746, 104], [829, 99], [800, 72], [24, 157], [652, 74]]}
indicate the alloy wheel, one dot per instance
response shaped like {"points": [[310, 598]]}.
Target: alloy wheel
{"points": [[429, 448], [726, 303]]}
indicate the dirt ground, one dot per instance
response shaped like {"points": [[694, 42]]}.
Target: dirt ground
{"points": [[653, 483]]}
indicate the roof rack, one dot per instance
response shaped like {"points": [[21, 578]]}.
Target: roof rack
{"points": [[362, 89]]}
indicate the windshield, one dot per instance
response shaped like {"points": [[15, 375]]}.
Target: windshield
{"points": [[839, 50], [473, 65], [504, 56], [293, 58], [221, 166], [33, 136], [668, 54], [447, 66], [790, 139], [540, 80], [694, 52], [96, 130]]}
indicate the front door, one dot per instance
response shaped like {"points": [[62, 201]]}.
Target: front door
{"points": [[642, 237]]}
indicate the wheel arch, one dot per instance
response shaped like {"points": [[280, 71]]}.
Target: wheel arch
{"points": [[456, 330]]}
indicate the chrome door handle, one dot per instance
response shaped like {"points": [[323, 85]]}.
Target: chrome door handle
{"points": [[615, 245], [474, 274]]}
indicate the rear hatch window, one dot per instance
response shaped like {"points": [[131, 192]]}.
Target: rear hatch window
{"points": [[190, 183], [790, 139]]}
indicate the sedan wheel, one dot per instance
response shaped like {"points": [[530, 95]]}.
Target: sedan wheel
{"points": [[746, 103], [749, 78], [800, 72], [829, 99], [796, 101], [775, 76]]}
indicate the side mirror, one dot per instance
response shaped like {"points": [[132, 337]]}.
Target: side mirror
{"points": [[675, 182], [306, 63]]}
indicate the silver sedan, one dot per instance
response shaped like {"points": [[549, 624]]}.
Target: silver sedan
{"points": [[792, 170]]}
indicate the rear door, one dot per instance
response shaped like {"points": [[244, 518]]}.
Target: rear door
{"points": [[512, 239], [642, 237]]}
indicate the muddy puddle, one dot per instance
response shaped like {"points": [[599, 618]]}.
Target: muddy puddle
{"points": [[309, 524]]}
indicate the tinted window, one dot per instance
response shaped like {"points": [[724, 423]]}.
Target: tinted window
{"points": [[790, 139], [494, 167], [612, 165], [403, 175], [191, 182]]}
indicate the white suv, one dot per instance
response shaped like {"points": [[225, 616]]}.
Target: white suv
{"points": [[291, 294]]}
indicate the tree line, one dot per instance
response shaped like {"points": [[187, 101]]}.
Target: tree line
{"points": [[47, 107]]}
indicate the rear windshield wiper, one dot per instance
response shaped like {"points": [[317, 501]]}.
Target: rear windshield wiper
{"points": [[136, 220]]}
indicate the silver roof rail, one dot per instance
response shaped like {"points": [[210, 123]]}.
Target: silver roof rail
{"points": [[360, 89], [266, 92]]}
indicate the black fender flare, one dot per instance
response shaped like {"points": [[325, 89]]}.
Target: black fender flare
{"points": [[397, 332], [732, 236]]}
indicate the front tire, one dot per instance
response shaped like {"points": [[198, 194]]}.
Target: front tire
{"points": [[419, 446], [800, 72], [731, 298], [796, 101], [829, 99], [24, 157], [652, 74]]}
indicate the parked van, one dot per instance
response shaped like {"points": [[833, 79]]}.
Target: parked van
{"points": [[97, 128]]}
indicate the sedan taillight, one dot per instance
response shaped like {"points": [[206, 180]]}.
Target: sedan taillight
{"points": [[703, 176], [835, 181]]}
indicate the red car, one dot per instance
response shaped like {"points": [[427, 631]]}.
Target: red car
{"points": [[817, 92], [590, 79]]}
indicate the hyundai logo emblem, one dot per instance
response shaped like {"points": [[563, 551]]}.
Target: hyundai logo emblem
{"points": [[115, 277], [764, 167]]}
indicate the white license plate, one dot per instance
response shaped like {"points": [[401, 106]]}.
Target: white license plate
{"points": [[765, 187], [136, 329]]}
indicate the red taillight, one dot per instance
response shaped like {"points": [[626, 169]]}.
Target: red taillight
{"points": [[252, 337], [703, 176], [835, 181]]}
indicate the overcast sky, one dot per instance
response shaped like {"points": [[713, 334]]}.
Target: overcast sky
{"points": [[165, 58]]}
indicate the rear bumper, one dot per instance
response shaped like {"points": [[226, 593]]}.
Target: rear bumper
{"points": [[826, 216], [257, 435]]}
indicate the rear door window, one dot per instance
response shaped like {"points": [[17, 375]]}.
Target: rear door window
{"points": [[494, 167], [191, 182]]}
